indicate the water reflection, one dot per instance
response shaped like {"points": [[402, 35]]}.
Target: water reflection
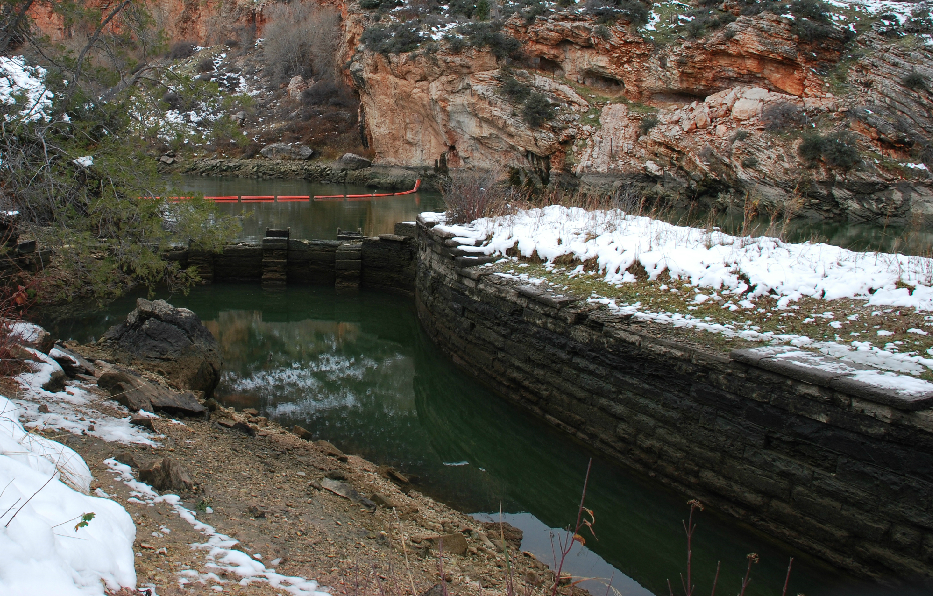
{"points": [[312, 220], [321, 219], [359, 372]]}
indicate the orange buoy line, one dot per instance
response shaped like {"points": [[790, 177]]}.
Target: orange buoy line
{"points": [[295, 198]]}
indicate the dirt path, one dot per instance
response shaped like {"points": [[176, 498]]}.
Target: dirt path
{"points": [[262, 493]]}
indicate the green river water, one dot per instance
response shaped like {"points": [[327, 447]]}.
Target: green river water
{"points": [[359, 372]]}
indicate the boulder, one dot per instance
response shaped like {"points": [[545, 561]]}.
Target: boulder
{"points": [[29, 335], [169, 341], [237, 426], [136, 393], [57, 377], [352, 161], [286, 151], [129, 458], [301, 433], [295, 86], [746, 108], [327, 448], [47, 373], [166, 475], [73, 364], [496, 531], [452, 544], [383, 501], [143, 421]]}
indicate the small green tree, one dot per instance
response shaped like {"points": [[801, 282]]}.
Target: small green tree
{"points": [[74, 167], [482, 10], [537, 109]]}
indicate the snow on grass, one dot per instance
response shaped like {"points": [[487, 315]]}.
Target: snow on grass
{"points": [[741, 289], [24, 86], [901, 10], [223, 560], [732, 265], [41, 549]]}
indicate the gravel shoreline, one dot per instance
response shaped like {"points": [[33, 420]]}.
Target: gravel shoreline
{"points": [[285, 500]]}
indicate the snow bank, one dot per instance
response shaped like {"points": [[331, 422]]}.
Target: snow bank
{"points": [[41, 552], [709, 259], [24, 86]]}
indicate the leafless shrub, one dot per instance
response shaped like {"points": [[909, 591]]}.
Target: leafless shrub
{"points": [[782, 116], [328, 93], [472, 194], [301, 39], [205, 64], [181, 50]]}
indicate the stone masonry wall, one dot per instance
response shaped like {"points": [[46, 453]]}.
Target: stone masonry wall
{"points": [[387, 262], [835, 467]]}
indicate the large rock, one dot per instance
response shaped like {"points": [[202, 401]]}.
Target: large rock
{"points": [[72, 363], [295, 86], [29, 335], [136, 393], [169, 341], [166, 475], [285, 151], [352, 161]]}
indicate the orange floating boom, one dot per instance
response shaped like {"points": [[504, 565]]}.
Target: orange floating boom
{"points": [[293, 198]]}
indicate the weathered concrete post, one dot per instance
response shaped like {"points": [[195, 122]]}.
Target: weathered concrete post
{"points": [[275, 257], [348, 266]]}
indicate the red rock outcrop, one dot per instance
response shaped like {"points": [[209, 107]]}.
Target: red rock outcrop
{"points": [[760, 50], [708, 96], [419, 107]]}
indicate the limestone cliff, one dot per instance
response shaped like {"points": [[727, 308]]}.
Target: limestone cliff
{"points": [[719, 117], [715, 101]]}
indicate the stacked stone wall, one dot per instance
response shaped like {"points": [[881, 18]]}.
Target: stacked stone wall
{"points": [[833, 466]]}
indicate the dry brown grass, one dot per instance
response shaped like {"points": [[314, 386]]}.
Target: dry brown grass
{"points": [[841, 321], [474, 194]]}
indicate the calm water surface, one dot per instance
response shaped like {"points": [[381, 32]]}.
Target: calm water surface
{"points": [[378, 216], [315, 219], [359, 372]]}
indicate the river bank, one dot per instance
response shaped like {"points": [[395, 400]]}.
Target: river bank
{"points": [[337, 172], [258, 489]]}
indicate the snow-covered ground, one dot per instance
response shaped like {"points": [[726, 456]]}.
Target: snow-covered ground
{"points": [[41, 551], [737, 266], [44, 546], [743, 279], [24, 86]]}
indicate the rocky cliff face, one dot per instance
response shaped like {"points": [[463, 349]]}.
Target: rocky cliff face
{"points": [[731, 110], [197, 21], [719, 118]]}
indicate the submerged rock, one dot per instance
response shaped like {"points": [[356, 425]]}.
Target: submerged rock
{"points": [[172, 342]]}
